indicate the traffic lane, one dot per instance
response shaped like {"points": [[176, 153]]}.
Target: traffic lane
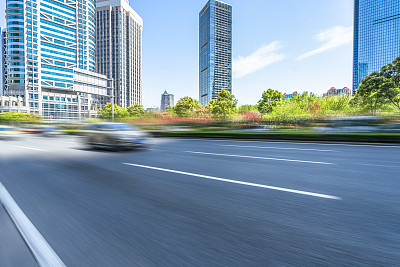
{"points": [[300, 176], [287, 174], [13, 250], [384, 155], [104, 218], [163, 156], [346, 181]]}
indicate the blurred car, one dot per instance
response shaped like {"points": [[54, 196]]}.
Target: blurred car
{"points": [[390, 128], [366, 124], [115, 136], [255, 129], [50, 131], [9, 133], [31, 129]]}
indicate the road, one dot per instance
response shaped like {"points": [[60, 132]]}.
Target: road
{"points": [[209, 202]]}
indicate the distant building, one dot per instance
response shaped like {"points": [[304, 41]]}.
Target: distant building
{"points": [[152, 109], [376, 36], [215, 63], [333, 91], [289, 96], [167, 100]]}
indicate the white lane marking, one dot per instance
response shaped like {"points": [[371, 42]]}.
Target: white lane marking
{"points": [[377, 165], [283, 148], [238, 182], [265, 158], [41, 250], [31, 148], [297, 143]]}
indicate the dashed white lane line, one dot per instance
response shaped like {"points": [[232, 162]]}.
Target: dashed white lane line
{"points": [[264, 158], [41, 250], [31, 148], [379, 165], [299, 192], [282, 148]]}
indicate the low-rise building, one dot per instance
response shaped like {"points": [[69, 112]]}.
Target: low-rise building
{"points": [[334, 92], [289, 96], [12, 104]]}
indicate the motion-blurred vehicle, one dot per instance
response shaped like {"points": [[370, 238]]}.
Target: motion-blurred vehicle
{"points": [[116, 136], [367, 124], [9, 133], [255, 129], [50, 131], [390, 128]]}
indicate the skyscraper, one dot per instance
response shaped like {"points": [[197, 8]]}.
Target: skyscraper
{"points": [[51, 57], [215, 55], [3, 61], [167, 100], [119, 49], [376, 36]]}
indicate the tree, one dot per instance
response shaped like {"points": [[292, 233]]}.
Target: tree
{"points": [[224, 106], [247, 108], [376, 90], [136, 111], [106, 112], [268, 101], [186, 107], [392, 71]]}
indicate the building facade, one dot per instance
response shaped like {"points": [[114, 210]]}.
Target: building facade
{"points": [[119, 49], [376, 36], [335, 92], [167, 100], [289, 96], [3, 61], [12, 104], [50, 44], [215, 55]]}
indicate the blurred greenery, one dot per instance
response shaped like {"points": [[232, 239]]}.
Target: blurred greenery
{"points": [[378, 95], [17, 117]]}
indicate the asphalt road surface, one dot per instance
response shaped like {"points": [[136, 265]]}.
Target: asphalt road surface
{"points": [[208, 202]]}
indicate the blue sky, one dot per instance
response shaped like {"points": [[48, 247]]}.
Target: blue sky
{"points": [[287, 45]]}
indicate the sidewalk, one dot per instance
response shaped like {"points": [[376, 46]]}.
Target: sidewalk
{"points": [[13, 251]]}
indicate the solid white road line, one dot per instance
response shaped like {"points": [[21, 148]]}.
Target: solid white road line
{"points": [[41, 250], [238, 182], [31, 148], [265, 158], [283, 148]]}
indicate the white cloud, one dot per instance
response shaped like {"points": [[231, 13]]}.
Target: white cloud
{"points": [[259, 59], [331, 38]]}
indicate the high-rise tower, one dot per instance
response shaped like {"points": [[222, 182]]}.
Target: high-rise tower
{"points": [[215, 55], [376, 36], [119, 49], [51, 57]]}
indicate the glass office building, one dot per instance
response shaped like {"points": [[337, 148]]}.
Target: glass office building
{"points": [[51, 57], [376, 36], [215, 55]]}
